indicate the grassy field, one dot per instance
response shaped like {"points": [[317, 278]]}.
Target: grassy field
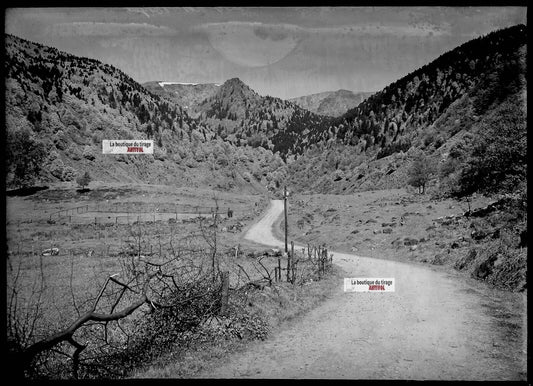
{"points": [[88, 253], [355, 223]]}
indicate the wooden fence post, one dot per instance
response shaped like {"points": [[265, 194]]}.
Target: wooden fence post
{"points": [[292, 248], [292, 261], [224, 293], [279, 267], [319, 261], [288, 266]]}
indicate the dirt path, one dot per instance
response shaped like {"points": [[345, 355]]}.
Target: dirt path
{"points": [[434, 326]]}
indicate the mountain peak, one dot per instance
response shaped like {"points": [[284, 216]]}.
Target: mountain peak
{"points": [[235, 83], [237, 88]]}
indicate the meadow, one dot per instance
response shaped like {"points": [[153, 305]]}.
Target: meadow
{"points": [[54, 289]]}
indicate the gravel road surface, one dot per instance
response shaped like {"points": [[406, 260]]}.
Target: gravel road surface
{"points": [[434, 326]]}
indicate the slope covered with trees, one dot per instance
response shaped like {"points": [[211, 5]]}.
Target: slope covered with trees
{"points": [[60, 107], [475, 91]]}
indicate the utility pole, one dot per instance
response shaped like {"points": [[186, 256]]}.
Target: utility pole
{"points": [[285, 210]]}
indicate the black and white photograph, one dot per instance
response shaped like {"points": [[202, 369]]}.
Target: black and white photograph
{"points": [[266, 192]]}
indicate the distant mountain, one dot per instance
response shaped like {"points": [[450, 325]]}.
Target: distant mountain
{"points": [[59, 108], [187, 95], [241, 116], [331, 103], [233, 100]]}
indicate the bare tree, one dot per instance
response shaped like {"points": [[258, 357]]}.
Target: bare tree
{"points": [[152, 297]]}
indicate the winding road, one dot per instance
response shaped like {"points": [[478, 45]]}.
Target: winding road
{"points": [[434, 326]]}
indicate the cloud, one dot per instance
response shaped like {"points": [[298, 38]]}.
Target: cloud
{"points": [[250, 44], [254, 44], [272, 31], [108, 29]]}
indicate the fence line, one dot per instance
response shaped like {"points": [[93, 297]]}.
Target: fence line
{"points": [[316, 255], [130, 217], [198, 209]]}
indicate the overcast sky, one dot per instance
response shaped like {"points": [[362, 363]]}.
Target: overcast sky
{"points": [[283, 52]]}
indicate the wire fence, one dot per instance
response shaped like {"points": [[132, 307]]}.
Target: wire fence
{"points": [[128, 214]]}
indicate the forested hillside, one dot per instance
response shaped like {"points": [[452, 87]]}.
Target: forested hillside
{"points": [[464, 112], [474, 93], [60, 107]]}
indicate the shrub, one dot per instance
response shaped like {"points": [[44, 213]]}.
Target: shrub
{"points": [[68, 174]]}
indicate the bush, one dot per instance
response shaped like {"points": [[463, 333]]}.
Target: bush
{"points": [[68, 174]]}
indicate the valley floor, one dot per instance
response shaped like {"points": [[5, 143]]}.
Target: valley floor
{"points": [[438, 324]]}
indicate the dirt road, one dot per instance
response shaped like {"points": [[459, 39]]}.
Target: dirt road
{"points": [[434, 326]]}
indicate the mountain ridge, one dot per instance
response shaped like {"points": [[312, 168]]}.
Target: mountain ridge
{"points": [[92, 100], [364, 148]]}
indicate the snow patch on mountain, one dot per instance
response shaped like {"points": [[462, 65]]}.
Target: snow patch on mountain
{"points": [[163, 84]]}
